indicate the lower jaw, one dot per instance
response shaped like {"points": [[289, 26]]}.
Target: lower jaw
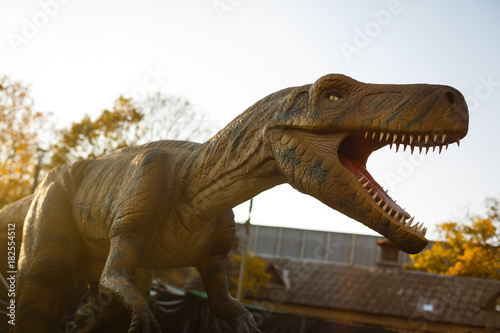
{"points": [[403, 238], [364, 212]]}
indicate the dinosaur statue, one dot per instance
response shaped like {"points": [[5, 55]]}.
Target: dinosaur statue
{"points": [[168, 204]]}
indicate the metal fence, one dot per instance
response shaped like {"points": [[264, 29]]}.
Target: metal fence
{"points": [[334, 247]]}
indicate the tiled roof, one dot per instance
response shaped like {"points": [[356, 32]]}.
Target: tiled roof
{"points": [[385, 291]]}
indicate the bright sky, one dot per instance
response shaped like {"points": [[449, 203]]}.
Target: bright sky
{"points": [[224, 55]]}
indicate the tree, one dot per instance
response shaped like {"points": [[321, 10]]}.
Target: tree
{"points": [[19, 140], [128, 123], [467, 249], [173, 118], [254, 276], [90, 139]]}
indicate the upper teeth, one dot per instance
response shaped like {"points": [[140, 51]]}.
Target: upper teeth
{"points": [[421, 140]]}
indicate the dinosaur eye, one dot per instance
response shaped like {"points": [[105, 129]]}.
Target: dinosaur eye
{"points": [[333, 98]]}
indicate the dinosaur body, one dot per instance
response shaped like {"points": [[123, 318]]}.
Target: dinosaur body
{"points": [[167, 204], [128, 191]]}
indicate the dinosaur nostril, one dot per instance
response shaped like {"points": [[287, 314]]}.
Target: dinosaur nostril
{"points": [[450, 97]]}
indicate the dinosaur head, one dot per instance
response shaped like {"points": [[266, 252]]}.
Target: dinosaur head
{"points": [[323, 134]]}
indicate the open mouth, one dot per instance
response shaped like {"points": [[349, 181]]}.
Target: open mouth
{"points": [[354, 151]]}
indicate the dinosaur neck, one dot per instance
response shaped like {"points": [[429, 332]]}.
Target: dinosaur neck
{"points": [[236, 164]]}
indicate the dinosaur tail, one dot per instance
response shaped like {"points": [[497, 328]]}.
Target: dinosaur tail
{"points": [[12, 217], [11, 233]]}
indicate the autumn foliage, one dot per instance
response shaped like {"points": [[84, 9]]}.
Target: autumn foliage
{"points": [[466, 249], [89, 139], [19, 138], [254, 274]]}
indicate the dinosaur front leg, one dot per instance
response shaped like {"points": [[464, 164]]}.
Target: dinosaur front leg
{"points": [[222, 304], [117, 279]]}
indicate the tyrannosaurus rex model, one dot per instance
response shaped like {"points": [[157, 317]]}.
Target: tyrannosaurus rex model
{"points": [[167, 204]]}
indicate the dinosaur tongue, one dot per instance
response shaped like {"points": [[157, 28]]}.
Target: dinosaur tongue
{"points": [[359, 170]]}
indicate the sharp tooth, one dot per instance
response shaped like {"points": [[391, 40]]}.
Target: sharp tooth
{"points": [[440, 149], [360, 179], [366, 134], [443, 138], [390, 145], [394, 138], [420, 149], [374, 196], [373, 135], [385, 206], [433, 148], [403, 137], [423, 232], [397, 147], [411, 138], [447, 146], [435, 138], [397, 215], [408, 224], [389, 212], [365, 184], [427, 149], [426, 138], [402, 220], [458, 142], [370, 190], [381, 136], [412, 148], [414, 228], [387, 136], [404, 148], [419, 137], [380, 202]]}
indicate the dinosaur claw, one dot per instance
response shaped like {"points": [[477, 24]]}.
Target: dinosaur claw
{"points": [[144, 322], [246, 324]]}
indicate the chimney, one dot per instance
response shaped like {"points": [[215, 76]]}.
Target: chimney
{"points": [[388, 254]]}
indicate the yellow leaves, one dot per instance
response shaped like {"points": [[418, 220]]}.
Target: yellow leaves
{"points": [[19, 127], [477, 262], [254, 275], [466, 250], [94, 138], [482, 230]]}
